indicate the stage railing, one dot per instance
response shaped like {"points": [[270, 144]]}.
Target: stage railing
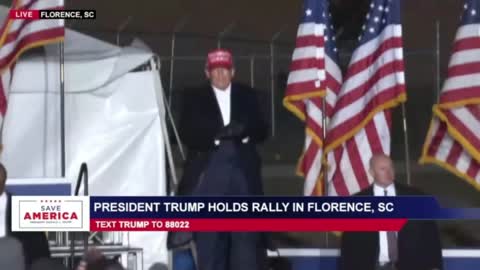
{"points": [[82, 177]]}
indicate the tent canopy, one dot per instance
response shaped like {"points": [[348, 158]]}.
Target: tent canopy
{"points": [[113, 122]]}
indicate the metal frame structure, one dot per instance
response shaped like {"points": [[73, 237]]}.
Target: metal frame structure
{"points": [[273, 58], [64, 244]]}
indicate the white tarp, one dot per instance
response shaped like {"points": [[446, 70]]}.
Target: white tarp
{"points": [[112, 123]]}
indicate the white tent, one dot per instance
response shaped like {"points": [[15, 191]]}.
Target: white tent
{"points": [[113, 122]]}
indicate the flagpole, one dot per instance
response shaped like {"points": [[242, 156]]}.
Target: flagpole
{"points": [[272, 76], [437, 61], [322, 166], [62, 138], [62, 106], [324, 131], [406, 143]]}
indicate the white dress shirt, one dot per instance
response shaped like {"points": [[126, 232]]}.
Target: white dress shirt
{"points": [[383, 242], [3, 214], [223, 100]]}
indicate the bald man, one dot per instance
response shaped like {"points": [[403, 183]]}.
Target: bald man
{"points": [[416, 246]]}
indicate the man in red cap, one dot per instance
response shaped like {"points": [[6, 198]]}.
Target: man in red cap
{"points": [[221, 124]]}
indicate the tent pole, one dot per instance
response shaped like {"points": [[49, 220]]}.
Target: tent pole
{"points": [[62, 106], [68, 237]]}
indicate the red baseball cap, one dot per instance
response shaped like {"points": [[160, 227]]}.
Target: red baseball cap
{"points": [[219, 58]]}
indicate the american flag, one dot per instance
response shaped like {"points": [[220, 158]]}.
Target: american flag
{"points": [[453, 140], [17, 36], [314, 74], [374, 83]]}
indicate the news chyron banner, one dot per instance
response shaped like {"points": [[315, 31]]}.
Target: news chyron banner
{"points": [[65, 213], [29, 14]]}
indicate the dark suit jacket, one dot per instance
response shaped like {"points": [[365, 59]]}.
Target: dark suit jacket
{"points": [[236, 163], [201, 121], [419, 245], [35, 244]]}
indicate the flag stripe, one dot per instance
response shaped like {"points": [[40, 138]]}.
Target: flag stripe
{"points": [[474, 111], [466, 43], [463, 161], [454, 154], [443, 150], [454, 135], [385, 76], [361, 121], [466, 31], [302, 76], [310, 41], [308, 52], [378, 58], [365, 51], [438, 135], [310, 63], [463, 57], [309, 157], [339, 183], [314, 75], [357, 115], [334, 75], [386, 66], [473, 169], [15, 25], [319, 105], [464, 69], [461, 82], [26, 28], [361, 108], [464, 126], [19, 35], [299, 89], [28, 41], [356, 162], [460, 94], [316, 128], [373, 137], [310, 29]]}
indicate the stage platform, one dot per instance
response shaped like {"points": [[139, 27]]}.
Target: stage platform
{"points": [[325, 259]]}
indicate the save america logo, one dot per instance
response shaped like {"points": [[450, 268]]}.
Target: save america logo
{"points": [[55, 213]]}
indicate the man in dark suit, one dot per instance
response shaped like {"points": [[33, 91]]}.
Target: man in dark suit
{"points": [[11, 254], [221, 124], [217, 112], [35, 244], [416, 246]]}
